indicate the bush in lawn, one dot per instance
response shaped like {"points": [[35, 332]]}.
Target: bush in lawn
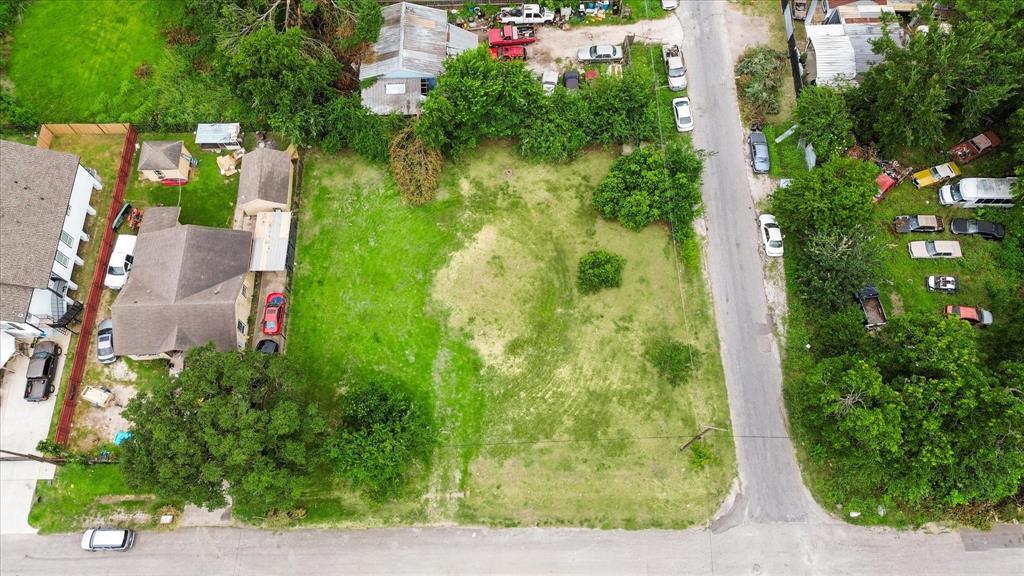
{"points": [[701, 456], [178, 97], [653, 183], [385, 431], [415, 166], [557, 134], [759, 77], [598, 270], [13, 115], [835, 196], [824, 121], [835, 263], [673, 360]]}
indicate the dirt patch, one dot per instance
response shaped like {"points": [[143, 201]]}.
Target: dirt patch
{"points": [[100, 425], [897, 304], [125, 498], [745, 29], [556, 48]]}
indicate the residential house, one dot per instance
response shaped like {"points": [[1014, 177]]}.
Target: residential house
{"points": [[273, 242], [44, 201], [266, 181], [214, 137], [189, 285], [408, 57], [164, 161], [840, 48]]}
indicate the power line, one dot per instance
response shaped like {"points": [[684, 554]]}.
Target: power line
{"points": [[689, 435]]}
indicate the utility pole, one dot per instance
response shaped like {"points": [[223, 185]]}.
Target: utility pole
{"points": [[18, 456], [700, 436]]}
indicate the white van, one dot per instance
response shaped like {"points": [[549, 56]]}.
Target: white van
{"points": [[119, 539], [978, 193], [121, 260]]}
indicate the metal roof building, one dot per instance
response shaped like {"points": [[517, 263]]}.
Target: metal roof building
{"points": [[272, 242], [408, 55], [830, 55], [219, 136]]}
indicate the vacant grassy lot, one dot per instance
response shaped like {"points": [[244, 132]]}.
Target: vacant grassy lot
{"points": [[76, 61], [549, 412]]}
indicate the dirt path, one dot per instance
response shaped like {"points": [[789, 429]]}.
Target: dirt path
{"points": [[557, 48]]}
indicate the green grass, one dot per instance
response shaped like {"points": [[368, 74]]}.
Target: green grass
{"points": [[787, 159], [548, 411], [208, 199], [648, 57], [75, 62]]}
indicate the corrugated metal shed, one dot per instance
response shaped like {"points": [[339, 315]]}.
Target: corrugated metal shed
{"points": [[834, 57], [220, 134], [413, 43], [401, 95], [270, 240]]}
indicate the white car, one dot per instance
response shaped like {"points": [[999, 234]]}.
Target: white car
{"points": [[771, 235], [120, 262], [935, 249], [549, 80], [119, 539], [670, 4], [599, 53], [681, 110]]}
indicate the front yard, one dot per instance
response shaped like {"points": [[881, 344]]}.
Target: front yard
{"points": [[549, 413]]}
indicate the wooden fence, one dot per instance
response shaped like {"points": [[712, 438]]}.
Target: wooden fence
{"points": [[48, 131]]}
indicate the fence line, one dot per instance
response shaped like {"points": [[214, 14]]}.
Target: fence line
{"points": [[67, 409], [48, 131]]}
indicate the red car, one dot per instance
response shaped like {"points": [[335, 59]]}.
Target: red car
{"points": [[273, 313], [508, 53], [511, 36], [980, 145]]}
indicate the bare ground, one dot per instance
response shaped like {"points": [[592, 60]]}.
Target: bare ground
{"points": [[557, 48]]}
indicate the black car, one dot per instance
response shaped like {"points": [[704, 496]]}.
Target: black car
{"points": [[985, 229], [267, 346], [41, 368], [571, 80], [759, 152]]}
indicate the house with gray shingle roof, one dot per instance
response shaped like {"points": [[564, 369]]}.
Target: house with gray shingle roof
{"points": [[164, 161], [266, 181], [44, 200], [408, 57], [190, 285]]}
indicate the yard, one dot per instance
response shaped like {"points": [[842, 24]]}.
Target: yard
{"points": [[74, 63], [549, 413]]}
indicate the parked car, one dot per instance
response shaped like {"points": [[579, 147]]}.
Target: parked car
{"points": [[105, 342], [42, 366], [919, 223], [549, 81], [759, 152], [936, 174], [979, 193], [935, 249], [980, 145], [984, 228], [267, 346], [527, 14], [99, 396], [947, 284], [669, 4], [510, 35], [103, 539], [273, 313], [871, 303], [599, 53], [571, 79], [681, 110], [976, 316], [121, 259], [508, 53], [674, 67], [771, 235]]}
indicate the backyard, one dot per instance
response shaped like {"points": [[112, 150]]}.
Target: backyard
{"points": [[79, 64], [549, 413]]}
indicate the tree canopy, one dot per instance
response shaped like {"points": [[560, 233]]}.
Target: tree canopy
{"points": [[835, 196], [824, 121]]}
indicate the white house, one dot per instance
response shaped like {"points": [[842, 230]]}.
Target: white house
{"points": [[409, 56], [44, 200]]}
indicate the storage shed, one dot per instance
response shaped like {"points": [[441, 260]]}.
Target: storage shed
{"points": [[165, 161], [214, 137]]}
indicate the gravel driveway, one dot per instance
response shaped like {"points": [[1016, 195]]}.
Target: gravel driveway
{"points": [[557, 48]]}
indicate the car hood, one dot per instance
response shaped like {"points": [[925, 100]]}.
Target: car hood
{"points": [[583, 54], [918, 249]]}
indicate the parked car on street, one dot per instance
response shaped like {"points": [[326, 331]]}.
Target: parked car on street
{"points": [[980, 145], [42, 366], [919, 223], [669, 4], [549, 81], [599, 53], [759, 158], [771, 235], [121, 259], [105, 539], [935, 249], [273, 313], [976, 316], [267, 346], [105, 342], [947, 284], [674, 67], [984, 228], [936, 174], [681, 110]]}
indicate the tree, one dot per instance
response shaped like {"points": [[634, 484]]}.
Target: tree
{"points": [[653, 183], [835, 263], [385, 430], [621, 110], [835, 196], [229, 418], [349, 124], [415, 166], [824, 121], [556, 134], [599, 269]]}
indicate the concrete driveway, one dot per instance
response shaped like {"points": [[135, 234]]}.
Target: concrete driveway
{"points": [[22, 425]]}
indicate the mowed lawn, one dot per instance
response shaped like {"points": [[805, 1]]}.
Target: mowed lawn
{"points": [[549, 413], [75, 61]]}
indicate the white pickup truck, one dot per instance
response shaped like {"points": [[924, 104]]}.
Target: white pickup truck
{"points": [[527, 14], [675, 67]]}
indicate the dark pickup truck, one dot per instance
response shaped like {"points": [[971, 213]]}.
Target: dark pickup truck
{"points": [[871, 303], [41, 368]]}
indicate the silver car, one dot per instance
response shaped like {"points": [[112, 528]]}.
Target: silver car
{"points": [[105, 342], [600, 53]]}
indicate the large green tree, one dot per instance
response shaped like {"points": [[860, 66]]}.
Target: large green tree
{"points": [[824, 121], [836, 262], [835, 196], [230, 423]]}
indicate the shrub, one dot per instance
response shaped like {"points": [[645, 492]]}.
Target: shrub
{"points": [[415, 166], [557, 135], [836, 196], [673, 360], [835, 263], [350, 124], [701, 456], [598, 270], [824, 121], [759, 77]]}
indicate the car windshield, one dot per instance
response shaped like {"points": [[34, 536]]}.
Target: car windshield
{"points": [[954, 191], [676, 72], [935, 173], [115, 270], [930, 247]]}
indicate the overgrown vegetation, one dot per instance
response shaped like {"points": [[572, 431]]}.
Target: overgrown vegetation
{"points": [[415, 166], [759, 73], [675, 361], [824, 121], [599, 269]]}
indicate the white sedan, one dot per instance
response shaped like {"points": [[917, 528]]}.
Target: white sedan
{"points": [[669, 4], [681, 110], [771, 235]]}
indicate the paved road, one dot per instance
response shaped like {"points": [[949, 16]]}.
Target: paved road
{"points": [[769, 474]]}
